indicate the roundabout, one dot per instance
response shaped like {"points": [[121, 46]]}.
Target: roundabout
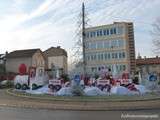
{"points": [[79, 103]]}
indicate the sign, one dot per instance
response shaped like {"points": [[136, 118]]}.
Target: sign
{"points": [[152, 77], [77, 79]]}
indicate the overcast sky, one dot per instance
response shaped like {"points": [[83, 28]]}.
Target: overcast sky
{"points": [[44, 23]]}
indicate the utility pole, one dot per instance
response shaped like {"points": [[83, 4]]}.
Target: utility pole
{"points": [[83, 38]]}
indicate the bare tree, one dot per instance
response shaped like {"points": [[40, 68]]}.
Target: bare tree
{"points": [[156, 36]]}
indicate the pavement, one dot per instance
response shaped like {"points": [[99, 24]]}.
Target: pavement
{"points": [[7, 100], [10, 113]]}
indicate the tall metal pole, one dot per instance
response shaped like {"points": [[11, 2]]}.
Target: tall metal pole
{"points": [[83, 38]]}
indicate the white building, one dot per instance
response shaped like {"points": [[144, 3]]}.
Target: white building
{"points": [[111, 46]]}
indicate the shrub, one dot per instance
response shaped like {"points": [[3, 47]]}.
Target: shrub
{"points": [[65, 77], [77, 90]]}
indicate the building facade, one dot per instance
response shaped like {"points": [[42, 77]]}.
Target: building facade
{"points": [[146, 66], [111, 46], [56, 56], [29, 57]]}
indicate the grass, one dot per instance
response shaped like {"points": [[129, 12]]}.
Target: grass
{"points": [[112, 98]]}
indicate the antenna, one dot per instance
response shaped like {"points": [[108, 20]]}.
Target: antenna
{"points": [[83, 38]]}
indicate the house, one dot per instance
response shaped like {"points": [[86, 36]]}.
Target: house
{"points": [[148, 66], [2, 63], [57, 57], [29, 57], [2, 59]]}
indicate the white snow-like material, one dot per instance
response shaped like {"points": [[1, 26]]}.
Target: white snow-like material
{"points": [[93, 91], [141, 88], [22, 79], [42, 90], [120, 90], [65, 91]]}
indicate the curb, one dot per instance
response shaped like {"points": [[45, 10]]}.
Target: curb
{"points": [[69, 100], [81, 106]]}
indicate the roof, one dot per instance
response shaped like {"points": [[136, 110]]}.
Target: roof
{"points": [[148, 61], [107, 25], [55, 51], [22, 53]]}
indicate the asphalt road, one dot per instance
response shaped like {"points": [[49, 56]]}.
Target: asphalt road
{"points": [[8, 113]]}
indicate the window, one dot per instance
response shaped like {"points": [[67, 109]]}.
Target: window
{"points": [[112, 44], [107, 31], [87, 46], [114, 30], [106, 56], [94, 69], [120, 30], [116, 56], [93, 34], [120, 55], [87, 57], [124, 67], [113, 55], [93, 45], [104, 32], [95, 56], [106, 44], [111, 31], [99, 57], [87, 34], [123, 54], [99, 45], [102, 56], [100, 32], [97, 33], [92, 57], [121, 43], [109, 56]]}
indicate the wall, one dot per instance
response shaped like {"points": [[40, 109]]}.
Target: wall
{"points": [[60, 61], [38, 61], [12, 64]]}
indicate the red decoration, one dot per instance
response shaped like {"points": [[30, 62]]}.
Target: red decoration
{"points": [[125, 76], [22, 69]]}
